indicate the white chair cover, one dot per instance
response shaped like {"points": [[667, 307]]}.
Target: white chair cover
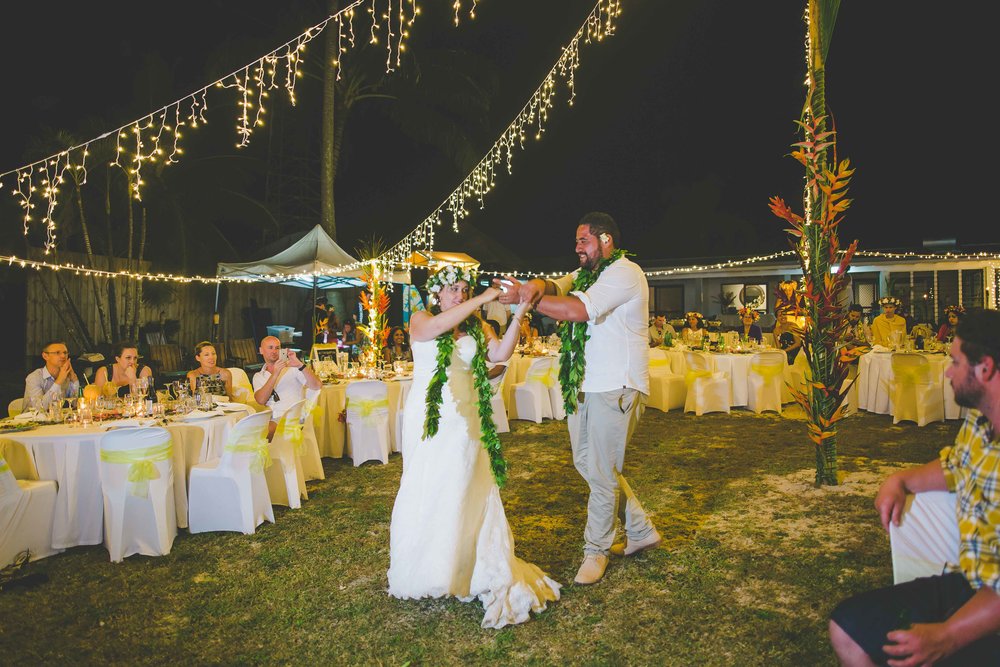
{"points": [[230, 493], [243, 389], [798, 372], [15, 407], [368, 421], [765, 381], [915, 392], [312, 463], [26, 514], [926, 537], [499, 407], [707, 390], [285, 480], [531, 397], [137, 481], [667, 390], [768, 339]]}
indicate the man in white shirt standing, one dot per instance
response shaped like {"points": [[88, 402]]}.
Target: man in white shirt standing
{"points": [[612, 307], [55, 380], [280, 382]]}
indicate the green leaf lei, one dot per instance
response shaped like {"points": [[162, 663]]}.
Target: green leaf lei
{"points": [[573, 336], [491, 441]]}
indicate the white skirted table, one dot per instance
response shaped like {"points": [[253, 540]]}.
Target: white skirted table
{"points": [[331, 432], [875, 382]]}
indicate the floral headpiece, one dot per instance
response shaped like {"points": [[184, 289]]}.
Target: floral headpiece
{"points": [[449, 274], [890, 301], [793, 283], [747, 311], [693, 313], [958, 310]]}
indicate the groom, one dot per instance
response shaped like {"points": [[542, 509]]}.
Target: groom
{"points": [[607, 298]]}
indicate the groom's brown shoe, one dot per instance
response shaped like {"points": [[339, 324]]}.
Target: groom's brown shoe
{"points": [[631, 548], [592, 569]]}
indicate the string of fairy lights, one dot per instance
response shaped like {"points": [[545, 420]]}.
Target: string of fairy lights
{"points": [[156, 137], [984, 257]]}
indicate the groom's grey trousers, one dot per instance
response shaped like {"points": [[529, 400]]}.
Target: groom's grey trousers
{"points": [[599, 430]]}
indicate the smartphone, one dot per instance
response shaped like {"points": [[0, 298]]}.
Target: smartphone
{"points": [[283, 354]]}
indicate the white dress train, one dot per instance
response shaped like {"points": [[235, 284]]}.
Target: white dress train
{"points": [[449, 534]]}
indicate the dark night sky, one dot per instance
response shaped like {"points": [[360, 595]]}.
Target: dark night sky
{"points": [[680, 130]]}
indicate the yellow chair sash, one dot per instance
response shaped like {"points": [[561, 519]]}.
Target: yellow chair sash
{"points": [[252, 443], [4, 466], [546, 377], [912, 375], [365, 407], [767, 371], [659, 362], [291, 430], [315, 410], [692, 376], [141, 463]]}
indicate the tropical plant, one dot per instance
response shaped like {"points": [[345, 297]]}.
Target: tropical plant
{"points": [[814, 238], [374, 298]]}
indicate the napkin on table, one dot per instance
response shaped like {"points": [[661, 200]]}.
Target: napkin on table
{"points": [[128, 423], [880, 348], [202, 414], [29, 416]]}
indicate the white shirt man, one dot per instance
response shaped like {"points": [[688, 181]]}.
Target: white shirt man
{"points": [[281, 383], [659, 330], [53, 381]]}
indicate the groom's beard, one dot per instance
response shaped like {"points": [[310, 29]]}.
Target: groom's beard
{"points": [[587, 262]]}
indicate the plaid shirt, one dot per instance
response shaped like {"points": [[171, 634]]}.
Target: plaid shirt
{"points": [[972, 470]]}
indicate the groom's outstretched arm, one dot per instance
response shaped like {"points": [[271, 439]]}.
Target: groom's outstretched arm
{"points": [[547, 297]]}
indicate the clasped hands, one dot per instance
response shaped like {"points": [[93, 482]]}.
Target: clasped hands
{"points": [[530, 292]]}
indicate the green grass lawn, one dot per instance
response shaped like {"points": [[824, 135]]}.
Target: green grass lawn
{"points": [[754, 559]]}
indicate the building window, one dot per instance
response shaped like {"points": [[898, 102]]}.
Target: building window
{"points": [[668, 299]]}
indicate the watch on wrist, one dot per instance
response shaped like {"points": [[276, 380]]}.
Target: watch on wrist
{"points": [[302, 367]]}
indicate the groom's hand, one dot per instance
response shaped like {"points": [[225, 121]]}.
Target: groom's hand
{"points": [[508, 293], [532, 291]]}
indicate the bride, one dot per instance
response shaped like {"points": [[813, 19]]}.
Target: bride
{"points": [[449, 534]]}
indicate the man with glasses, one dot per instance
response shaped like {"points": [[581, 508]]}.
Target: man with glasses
{"points": [[55, 380]]}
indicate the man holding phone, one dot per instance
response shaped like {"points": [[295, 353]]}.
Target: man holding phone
{"points": [[280, 382]]}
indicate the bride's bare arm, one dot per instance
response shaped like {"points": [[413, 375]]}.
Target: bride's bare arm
{"points": [[424, 326], [501, 349]]}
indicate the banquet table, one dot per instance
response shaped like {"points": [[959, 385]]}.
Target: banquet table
{"points": [[331, 433], [875, 382], [70, 456]]}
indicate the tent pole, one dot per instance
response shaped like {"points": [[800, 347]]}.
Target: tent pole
{"points": [[215, 313], [312, 332]]}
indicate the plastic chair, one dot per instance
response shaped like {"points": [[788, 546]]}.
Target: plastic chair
{"points": [[499, 407], [667, 390], [368, 421], [707, 390], [230, 493], [26, 513], [915, 393], [926, 537], [137, 480], [285, 480], [312, 463], [531, 397], [15, 407], [765, 381]]}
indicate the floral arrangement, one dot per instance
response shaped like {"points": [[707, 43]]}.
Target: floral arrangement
{"points": [[747, 311], [958, 310], [375, 301], [449, 274], [890, 301]]}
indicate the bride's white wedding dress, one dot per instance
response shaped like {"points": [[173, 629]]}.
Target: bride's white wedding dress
{"points": [[449, 534]]}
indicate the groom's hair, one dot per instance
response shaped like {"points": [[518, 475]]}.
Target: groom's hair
{"points": [[602, 223]]}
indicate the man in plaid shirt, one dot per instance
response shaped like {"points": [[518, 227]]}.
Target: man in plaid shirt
{"points": [[952, 618]]}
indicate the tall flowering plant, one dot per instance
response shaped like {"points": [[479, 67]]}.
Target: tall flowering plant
{"points": [[814, 238], [375, 301]]}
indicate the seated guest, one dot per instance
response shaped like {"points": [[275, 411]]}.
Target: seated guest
{"points": [[528, 332], [350, 339], [397, 349], [217, 381], [695, 327], [953, 315], [659, 329], [119, 378], [950, 618], [282, 381], [856, 332], [55, 380], [790, 341], [749, 330], [885, 325]]}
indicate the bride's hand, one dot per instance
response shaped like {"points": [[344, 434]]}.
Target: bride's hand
{"points": [[523, 308], [490, 294]]}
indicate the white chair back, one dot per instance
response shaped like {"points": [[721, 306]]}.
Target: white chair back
{"points": [[657, 353], [910, 368], [8, 485], [762, 363], [15, 407], [135, 456], [242, 388], [368, 421], [540, 371], [242, 448], [698, 362]]}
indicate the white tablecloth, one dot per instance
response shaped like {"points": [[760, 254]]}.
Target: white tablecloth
{"points": [[736, 368], [71, 456], [875, 381]]}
